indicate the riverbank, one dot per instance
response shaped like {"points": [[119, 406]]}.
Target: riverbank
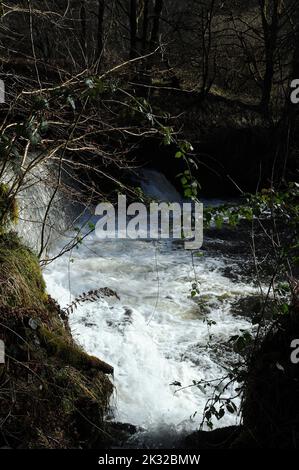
{"points": [[52, 394]]}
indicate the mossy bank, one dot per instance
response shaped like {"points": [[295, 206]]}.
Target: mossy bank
{"points": [[52, 394]]}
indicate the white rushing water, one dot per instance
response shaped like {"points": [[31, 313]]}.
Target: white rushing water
{"points": [[155, 334]]}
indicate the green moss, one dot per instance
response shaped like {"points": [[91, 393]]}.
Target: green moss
{"points": [[9, 209], [21, 280], [254, 307], [224, 297], [57, 343], [77, 385]]}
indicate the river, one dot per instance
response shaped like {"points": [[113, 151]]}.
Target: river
{"points": [[158, 339]]}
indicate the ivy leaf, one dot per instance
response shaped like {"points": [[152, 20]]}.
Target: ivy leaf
{"points": [[184, 181], [70, 100], [219, 222], [40, 103], [230, 408], [34, 138], [89, 83], [188, 192], [44, 126], [179, 155]]}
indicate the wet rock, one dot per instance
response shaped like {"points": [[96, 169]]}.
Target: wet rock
{"points": [[222, 438], [118, 435], [270, 410], [254, 307]]}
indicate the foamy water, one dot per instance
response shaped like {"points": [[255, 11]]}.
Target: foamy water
{"points": [[155, 334]]}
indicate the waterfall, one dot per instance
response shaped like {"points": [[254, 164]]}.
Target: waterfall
{"points": [[156, 336], [41, 205], [155, 185]]}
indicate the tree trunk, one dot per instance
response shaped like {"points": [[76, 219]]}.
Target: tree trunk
{"points": [[156, 23], [100, 38], [289, 121], [145, 25], [270, 28], [133, 29], [83, 29]]}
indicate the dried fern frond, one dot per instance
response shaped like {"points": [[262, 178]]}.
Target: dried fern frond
{"points": [[90, 296]]}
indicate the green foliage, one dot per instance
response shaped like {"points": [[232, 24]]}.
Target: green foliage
{"points": [[95, 87], [227, 214], [277, 212], [189, 183], [90, 296], [281, 208], [218, 405], [40, 103], [241, 341], [71, 101], [282, 205], [168, 138], [195, 289]]}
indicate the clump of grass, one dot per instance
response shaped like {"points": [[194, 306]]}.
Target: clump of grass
{"points": [[77, 385], [21, 280]]}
